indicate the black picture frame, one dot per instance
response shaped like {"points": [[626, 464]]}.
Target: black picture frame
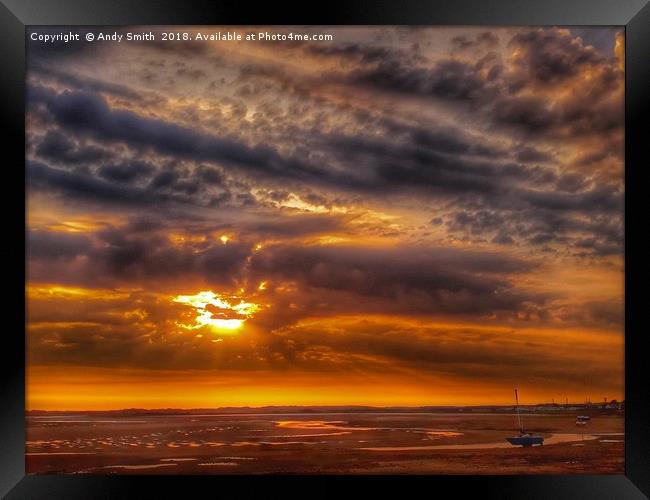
{"points": [[15, 15]]}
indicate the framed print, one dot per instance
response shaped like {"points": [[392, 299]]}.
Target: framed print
{"points": [[385, 246]]}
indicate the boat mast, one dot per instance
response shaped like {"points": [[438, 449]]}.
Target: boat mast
{"points": [[521, 428]]}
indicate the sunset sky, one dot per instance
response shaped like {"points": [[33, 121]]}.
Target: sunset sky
{"points": [[400, 216]]}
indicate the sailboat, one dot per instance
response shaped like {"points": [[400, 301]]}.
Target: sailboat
{"points": [[524, 439]]}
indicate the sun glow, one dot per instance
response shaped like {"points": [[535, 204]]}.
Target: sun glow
{"points": [[216, 311]]}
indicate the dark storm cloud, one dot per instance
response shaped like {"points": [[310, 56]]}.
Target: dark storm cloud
{"points": [[584, 223], [85, 186], [478, 222], [486, 39], [408, 165], [88, 84], [551, 56], [406, 280], [359, 53], [191, 74], [58, 148], [297, 225], [530, 154], [461, 351], [599, 199], [50, 245], [449, 79], [416, 280], [165, 179], [135, 255], [367, 345], [472, 174], [502, 238], [541, 239], [571, 183], [432, 159], [426, 161], [210, 175], [123, 184], [599, 247], [88, 114], [543, 59], [125, 172], [451, 141], [530, 114], [141, 250]]}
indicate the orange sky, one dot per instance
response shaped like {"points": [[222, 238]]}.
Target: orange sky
{"points": [[398, 217]]}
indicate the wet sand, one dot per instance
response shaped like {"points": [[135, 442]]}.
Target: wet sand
{"points": [[346, 443]]}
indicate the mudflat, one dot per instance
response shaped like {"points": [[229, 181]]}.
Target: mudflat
{"points": [[327, 443]]}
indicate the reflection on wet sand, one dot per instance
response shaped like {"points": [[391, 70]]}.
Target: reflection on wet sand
{"points": [[223, 464], [320, 424], [553, 439], [138, 467]]}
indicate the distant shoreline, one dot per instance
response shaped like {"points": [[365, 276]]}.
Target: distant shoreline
{"points": [[569, 409]]}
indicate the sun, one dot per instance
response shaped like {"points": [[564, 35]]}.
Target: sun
{"points": [[218, 312]]}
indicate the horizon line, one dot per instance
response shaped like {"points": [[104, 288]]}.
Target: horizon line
{"points": [[410, 407]]}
